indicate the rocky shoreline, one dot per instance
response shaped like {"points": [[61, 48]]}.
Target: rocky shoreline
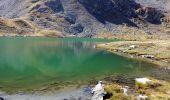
{"points": [[158, 89], [155, 90]]}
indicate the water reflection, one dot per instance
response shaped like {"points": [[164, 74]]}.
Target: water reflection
{"points": [[39, 61]]}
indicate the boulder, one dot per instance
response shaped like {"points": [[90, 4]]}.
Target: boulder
{"points": [[125, 90], [98, 91], [1, 98], [142, 82]]}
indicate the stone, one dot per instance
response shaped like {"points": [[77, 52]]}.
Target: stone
{"points": [[125, 90], [132, 46], [1, 98], [148, 56], [142, 82], [98, 91], [142, 97]]}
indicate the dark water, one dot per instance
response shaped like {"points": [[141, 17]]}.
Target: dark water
{"points": [[29, 63]]}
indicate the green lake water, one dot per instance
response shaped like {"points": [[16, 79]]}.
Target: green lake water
{"points": [[30, 63]]}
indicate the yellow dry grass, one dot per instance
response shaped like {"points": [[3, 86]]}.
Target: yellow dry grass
{"points": [[25, 27], [159, 49], [20, 22], [132, 34], [158, 90]]}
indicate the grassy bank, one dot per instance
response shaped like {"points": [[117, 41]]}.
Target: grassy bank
{"points": [[158, 90], [155, 51]]}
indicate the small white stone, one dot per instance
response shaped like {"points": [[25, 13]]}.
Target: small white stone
{"points": [[132, 46], [147, 56], [98, 91], [142, 80], [142, 97], [125, 90]]}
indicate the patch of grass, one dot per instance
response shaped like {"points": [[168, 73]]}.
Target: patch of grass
{"points": [[157, 48], [117, 94], [156, 90]]}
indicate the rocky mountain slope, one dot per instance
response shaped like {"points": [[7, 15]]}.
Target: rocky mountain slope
{"points": [[82, 17]]}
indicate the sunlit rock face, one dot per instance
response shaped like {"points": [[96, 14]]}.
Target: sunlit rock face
{"points": [[159, 4], [81, 17], [13, 8]]}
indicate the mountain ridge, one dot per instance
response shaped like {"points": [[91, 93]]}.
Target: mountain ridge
{"points": [[85, 18]]}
